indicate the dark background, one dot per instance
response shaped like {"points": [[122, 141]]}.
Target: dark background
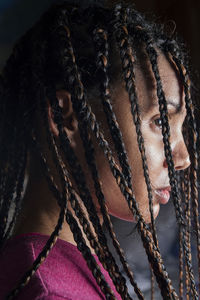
{"points": [[16, 16]]}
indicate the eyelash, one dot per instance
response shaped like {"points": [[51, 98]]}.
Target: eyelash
{"points": [[158, 125]]}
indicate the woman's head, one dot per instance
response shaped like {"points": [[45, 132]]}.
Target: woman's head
{"points": [[151, 128], [107, 94]]}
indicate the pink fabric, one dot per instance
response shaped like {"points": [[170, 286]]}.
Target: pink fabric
{"points": [[63, 275]]}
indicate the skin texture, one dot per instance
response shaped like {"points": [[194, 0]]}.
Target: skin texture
{"points": [[151, 130], [40, 211]]}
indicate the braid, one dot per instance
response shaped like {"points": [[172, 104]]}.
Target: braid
{"points": [[187, 190], [102, 46], [13, 159], [129, 77], [52, 240], [41, 257], [52, 61], [181, 265], [166, 133], [80, 214], [157, 265], [58, 162], [193, 153], [13, 184], [74, 226], [81, 245], [100, 38], [17, 200], [20, 160], [152, 284], [8, 190], [53, 237]]}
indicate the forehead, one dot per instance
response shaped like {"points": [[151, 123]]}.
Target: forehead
{"points": [[147, 87]]}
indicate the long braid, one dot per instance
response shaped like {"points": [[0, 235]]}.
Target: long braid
{"points": [[152, 285], [129, 78], [102, 47], [88, 119], [165, 290], [14, 158], [22, 146], [12, 169], [41, 257], [168, 153], [81, 245], [187, 190], [82, 219], [97, 186], [53, 237], [181, 254], [8, 192], [74, 227], [100, 38], [194, 153], [127, 62], [84, 192], [181, 265], [38, 79], [9, 160], [111, 267], [18, 197], [14, 182]]}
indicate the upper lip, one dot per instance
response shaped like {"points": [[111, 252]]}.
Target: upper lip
{"points": [[168, 188]]}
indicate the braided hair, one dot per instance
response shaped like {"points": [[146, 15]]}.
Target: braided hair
{"points": [[70, 48]]}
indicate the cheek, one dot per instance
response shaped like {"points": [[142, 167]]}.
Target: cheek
{"points": [[154, 150], [154, 154], [116, 202]]}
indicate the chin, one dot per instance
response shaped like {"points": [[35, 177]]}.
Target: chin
{"points": [[125, 217], [147, 216], [128, 216]]}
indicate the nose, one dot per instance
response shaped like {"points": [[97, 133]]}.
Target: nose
{"points": [[180, 156]]}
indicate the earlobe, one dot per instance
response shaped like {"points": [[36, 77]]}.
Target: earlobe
{"points": [[69, 119]]}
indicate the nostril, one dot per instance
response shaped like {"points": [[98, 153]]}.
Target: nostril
{"points": [[165, 165], [181, 162]]}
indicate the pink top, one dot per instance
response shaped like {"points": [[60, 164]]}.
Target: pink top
{"points": [[63, 275]]}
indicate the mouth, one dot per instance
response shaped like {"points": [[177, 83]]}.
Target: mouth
{"points": [[163, 194]]}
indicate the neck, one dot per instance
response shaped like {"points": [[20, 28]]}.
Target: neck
{"points": [[40, 213]]}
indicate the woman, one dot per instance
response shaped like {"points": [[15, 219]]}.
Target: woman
{"points": [[94, 104]]}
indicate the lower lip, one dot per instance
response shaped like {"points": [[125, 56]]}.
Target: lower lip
{"points": [[163, 196]]}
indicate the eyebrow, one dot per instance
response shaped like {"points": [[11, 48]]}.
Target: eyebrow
{"points": [[177, 106]]}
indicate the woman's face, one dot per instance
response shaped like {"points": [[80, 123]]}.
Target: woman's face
{"points": [[153, 140]]}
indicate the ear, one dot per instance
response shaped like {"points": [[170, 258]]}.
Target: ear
{"points": [[70, 122]]}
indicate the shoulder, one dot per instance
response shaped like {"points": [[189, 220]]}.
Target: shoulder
{"points": [[63, 275]]}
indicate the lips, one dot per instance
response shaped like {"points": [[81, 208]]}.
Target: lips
{"points": [[163, 194]]}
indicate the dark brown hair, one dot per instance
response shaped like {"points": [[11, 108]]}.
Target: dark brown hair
{"points": [[70, 47]]}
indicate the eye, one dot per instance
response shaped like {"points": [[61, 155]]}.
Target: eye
{"points": [[158, 122]]}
